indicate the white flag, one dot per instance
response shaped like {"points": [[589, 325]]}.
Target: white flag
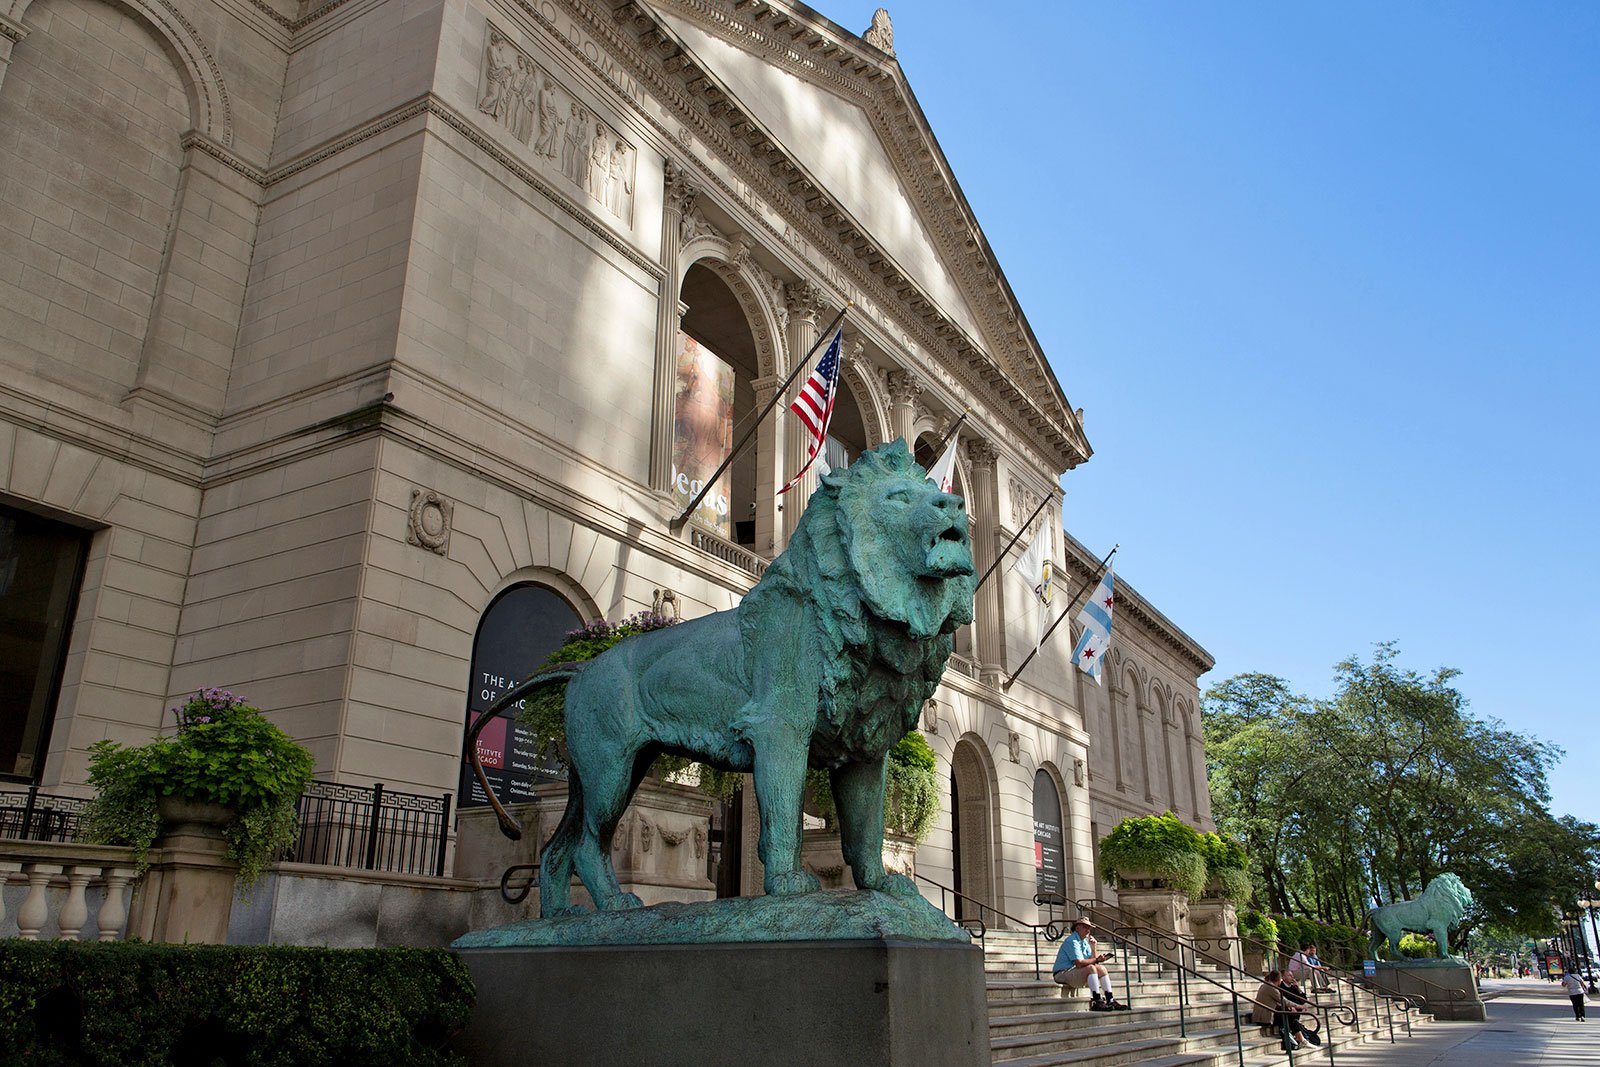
{"points": [[943, 473], [1095, 618], [1037, 570]]}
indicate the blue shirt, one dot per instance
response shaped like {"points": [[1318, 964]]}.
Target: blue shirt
{"points": [[1073, 948]]}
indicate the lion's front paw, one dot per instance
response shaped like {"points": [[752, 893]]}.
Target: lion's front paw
{"points": [[897, 885], [791, 883]]}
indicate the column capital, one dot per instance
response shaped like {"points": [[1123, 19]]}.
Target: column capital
{"points": [[981, 455], [904, 387], [803, 301], [680, 191]]}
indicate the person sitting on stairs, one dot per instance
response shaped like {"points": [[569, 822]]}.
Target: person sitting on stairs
{"points": [[1081, 963]]}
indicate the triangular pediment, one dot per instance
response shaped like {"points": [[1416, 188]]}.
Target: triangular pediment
{"points": [[835, 140], [832, 116]]}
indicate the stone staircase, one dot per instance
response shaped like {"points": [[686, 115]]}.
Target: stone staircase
{"points": [[1033, 1023]]}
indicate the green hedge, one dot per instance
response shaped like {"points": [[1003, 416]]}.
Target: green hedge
{"points": [[131, 1004], [1337, 945]]}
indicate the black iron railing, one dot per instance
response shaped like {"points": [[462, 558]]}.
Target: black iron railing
{"points": [[29, 815], [372, 828]]}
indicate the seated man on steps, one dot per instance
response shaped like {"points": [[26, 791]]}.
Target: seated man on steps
{"points": [[1080, 963], [1272, 1009]]}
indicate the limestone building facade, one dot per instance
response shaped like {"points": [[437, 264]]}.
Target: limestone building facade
{"points": [[327, 327]]}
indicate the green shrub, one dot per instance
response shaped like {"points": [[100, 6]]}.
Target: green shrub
{"points": [[911, 801], [1227, 864], [225, 752], [1161, 845], [1337, 945], [1261, 927], [1418, 947], [128, 1004]]}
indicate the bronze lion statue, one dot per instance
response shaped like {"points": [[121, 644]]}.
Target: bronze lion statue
{"points": [[1442, 905], [825, 663]]}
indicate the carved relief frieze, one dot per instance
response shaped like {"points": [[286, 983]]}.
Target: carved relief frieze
{"points": [[930, 717], [563, 135], [1014, 746], [665, 603], [428, 521], [1024, 502]]}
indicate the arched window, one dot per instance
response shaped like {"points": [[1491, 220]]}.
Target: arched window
{"points": [[715, 393], [521, 627], [1049, 839]]}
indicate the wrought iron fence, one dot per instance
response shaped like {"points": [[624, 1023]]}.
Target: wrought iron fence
{"points": [[29, 815], [366, 827], [372, 828]]}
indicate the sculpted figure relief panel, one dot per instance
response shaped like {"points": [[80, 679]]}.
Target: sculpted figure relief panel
{"points": [[563, 135]]}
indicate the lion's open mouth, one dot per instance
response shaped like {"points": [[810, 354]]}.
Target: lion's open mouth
{"points": [[948, 554]]}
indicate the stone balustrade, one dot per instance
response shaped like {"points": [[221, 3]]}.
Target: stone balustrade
{"points": [[73, 892]]}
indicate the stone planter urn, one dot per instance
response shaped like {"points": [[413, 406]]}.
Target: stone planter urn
{"points": [[187, 895], [1153, 902]]}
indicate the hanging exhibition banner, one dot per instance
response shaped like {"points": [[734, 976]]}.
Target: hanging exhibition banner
{"points": [[702, 432]]}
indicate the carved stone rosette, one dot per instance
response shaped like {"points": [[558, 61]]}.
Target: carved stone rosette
{"points": [[428, 521]]}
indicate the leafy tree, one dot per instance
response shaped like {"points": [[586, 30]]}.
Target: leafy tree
{"points": [[1366, 796]]}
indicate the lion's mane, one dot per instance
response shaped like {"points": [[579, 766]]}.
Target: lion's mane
{"points": [[887, 666]]}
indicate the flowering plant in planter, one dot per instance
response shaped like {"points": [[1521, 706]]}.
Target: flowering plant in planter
{"points": [[224, 753]]}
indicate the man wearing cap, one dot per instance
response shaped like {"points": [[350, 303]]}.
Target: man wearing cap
{"points": [[1080, 963]]}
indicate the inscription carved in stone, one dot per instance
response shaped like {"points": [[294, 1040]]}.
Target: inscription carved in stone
{"points": [[562, 135]]}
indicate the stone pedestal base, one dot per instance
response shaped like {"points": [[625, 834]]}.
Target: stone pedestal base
{"points": [[187, 894], [1215, 922], [785, 1004], [1165, 909], [1449, 988]]}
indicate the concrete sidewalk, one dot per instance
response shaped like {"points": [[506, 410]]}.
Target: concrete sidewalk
{"points": [[1530, 1025]]}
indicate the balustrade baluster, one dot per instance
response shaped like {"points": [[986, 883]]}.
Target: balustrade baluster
{"points": [[75, 912], [35, 910], [114, 911], [7, 869]]}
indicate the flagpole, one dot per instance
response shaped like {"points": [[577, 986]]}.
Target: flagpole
{"points": [[1000, 555], [777, 394], [1094, 576]]}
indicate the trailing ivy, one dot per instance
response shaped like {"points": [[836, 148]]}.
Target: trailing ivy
{"points": [[1227, 867], [65, 1004], [1162, 846], [911, 797], [1261, 927]]}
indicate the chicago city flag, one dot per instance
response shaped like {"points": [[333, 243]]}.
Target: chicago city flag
{"points": [[814, 404], [1095, 618], [1035, 567]]}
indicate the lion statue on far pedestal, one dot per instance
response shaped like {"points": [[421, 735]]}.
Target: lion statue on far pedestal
{"points": [[825, 663], [1442, 905]]}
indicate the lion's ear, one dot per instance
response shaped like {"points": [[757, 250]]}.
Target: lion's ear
{"points": [[835, 478]]}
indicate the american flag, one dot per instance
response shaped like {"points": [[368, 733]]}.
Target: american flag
{"points": [[814, 404]]}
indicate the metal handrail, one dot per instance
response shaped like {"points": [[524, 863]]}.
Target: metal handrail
{"points": [[982, 927], [1193, 944]]}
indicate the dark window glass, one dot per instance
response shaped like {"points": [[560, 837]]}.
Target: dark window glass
{"points": [[524, 625], [41, 566]]}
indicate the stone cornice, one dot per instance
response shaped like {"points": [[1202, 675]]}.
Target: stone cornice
{"points": [[1130, 604], [661, 62]]}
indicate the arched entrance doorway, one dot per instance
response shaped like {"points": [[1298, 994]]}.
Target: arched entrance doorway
{"points": [[521, 626], [1049, 840], [972, 840]]}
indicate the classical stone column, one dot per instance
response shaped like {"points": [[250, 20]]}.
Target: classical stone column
{"points": [[679, 199], [903, 392], [804, 301], [983, 508]]}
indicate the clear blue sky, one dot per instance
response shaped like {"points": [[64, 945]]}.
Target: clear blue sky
{"points": [[1326, 279]]}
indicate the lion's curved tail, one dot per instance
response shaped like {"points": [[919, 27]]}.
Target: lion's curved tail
{"points": [[554, 674]]}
